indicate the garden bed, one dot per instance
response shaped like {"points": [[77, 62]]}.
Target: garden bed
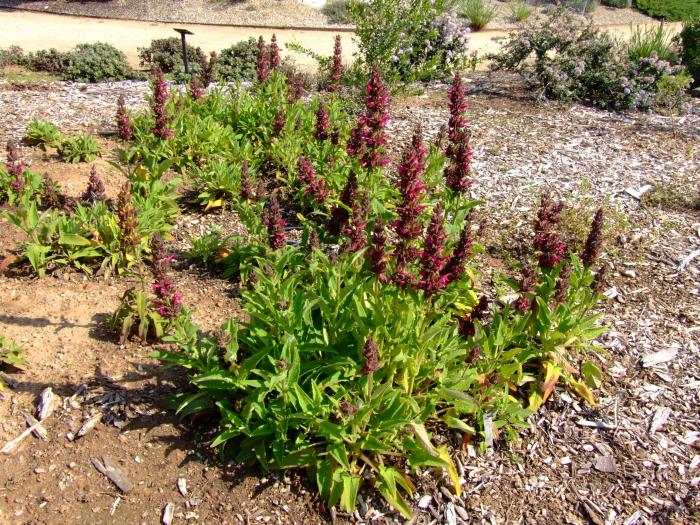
{"points": [[577, 465]]}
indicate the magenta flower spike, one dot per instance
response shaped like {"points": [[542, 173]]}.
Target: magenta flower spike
{"points": [[337, 67], [433, 258], [274, 53], [263, 65], [368, 139], [124, 128], [547, 241], [322, 122], [159, 106], [316, 187], [594, 241], [273, 221]]}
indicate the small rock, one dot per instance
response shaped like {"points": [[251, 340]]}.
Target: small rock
{"points": [[605, 464]]}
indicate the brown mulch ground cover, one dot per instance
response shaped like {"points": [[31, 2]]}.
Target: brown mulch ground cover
{"points": [[633, 459]]}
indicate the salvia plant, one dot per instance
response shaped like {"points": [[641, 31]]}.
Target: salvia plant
{"points": [[124, 128], [371, 332]]}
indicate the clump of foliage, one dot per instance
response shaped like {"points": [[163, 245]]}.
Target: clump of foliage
{"points": [[519, 10], [575, 62], [166, 54], [580, 6], [98, 62], [49, 60], [620, 4], [237, 62], [409, 41], [478, 12], [371, 329], [647, 42], [43, 134], [13, 56], [81, 148], [338, 12], [151, 314], [10, 355], [669, 9], [689, 39]]}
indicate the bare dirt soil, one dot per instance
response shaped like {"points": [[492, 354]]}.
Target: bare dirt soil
{"points": [[578, 465]]}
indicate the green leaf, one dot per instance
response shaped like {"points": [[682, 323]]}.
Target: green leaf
{"points": [[592, 373]]}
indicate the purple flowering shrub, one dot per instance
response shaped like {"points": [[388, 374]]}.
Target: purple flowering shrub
{"points": [[575, 62], [364, 304], [409, 41]]}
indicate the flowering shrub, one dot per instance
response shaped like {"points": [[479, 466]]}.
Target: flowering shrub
{"points": [[408, 41], [575, 62], [371, 328]]}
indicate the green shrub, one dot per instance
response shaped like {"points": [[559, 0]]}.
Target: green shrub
{"points": [[392, 36], [478, 13], [97, 62], [672, 92], [82, 148], [338, 12], [580, 6], [166, 54], [238, 62], [575, 62], [645, 42], [520, 11], [51, 61], [13, 56], [669, 9], [689, 39], [43, 134], [620, 4]]}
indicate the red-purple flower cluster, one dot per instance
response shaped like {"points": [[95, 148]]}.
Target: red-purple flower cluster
{"points": [[263, 64], [458, 108], [207, 69], [528, 281], [561, 289], [370, 352], [316, 187], [167, 301], [15, 167], [127, 219], [459, 168], [433, 258], [467, 327], [339, 214], [124, 129], [408, 226], [547, 241], [454, 269], [357, 230], [322, 122], [274, 53], [247, 192], [458, 150], [278, 122], [196, 89], [296, 86], [159, 106], [367, 139], [594, 241], [95, 191], [336, 66], [274, 223], [377, 252]]}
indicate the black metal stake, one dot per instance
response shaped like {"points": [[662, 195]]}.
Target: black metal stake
{"points": [[185, 58]]}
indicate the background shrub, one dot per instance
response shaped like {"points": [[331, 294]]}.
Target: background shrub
{"points": [[689, 39], [645, 42], [97, 62], [13, 56], [620, 4], [409, 40], [478, 13], [237, 63], [520, 11], [166, 53], [338, 12], [49, 60], [669, 9], [580, 6]]}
